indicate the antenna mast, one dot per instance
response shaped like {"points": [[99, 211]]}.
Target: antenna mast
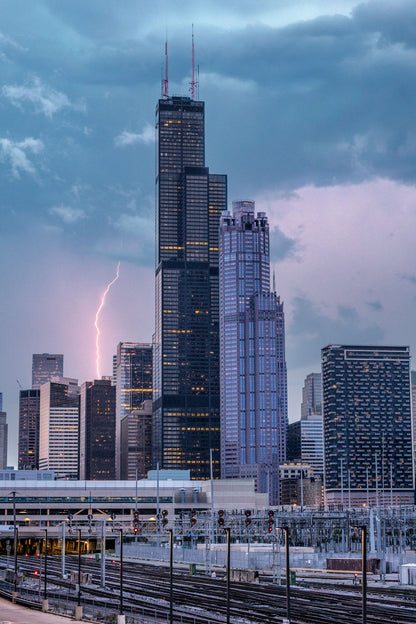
{"points": [[165, 82], [193, 81]]}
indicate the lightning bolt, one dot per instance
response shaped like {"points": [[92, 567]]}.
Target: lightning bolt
{"points": [[97, 340]]}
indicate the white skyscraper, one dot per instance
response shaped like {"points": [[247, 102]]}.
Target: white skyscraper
{"points": [[59, 427]]}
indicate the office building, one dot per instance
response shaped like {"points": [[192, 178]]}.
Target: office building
{"points": [[97, 430], [28, 443], [253, 366], [45, 366], [413, 392], [367, 425], [59, 427], [3, 440], [305, 437], [186, 411], [133, 371], [136, 442], [312, 396]]}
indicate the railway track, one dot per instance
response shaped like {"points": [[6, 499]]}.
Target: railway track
{"points": [[204, 599]]}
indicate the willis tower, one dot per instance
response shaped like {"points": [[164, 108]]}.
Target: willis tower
{"points": [[189, 202]]}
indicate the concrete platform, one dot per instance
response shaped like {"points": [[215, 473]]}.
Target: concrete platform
{"points": [[15, 614]]}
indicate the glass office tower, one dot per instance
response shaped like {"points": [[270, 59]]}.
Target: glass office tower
{"points": [[189, 201], [253, 366], [367, 425], [133, 377]]}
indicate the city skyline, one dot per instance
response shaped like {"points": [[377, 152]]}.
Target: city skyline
{"points": [[77, 169]]}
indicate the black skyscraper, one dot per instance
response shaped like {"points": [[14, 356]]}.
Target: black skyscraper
{"points": [[186, 350]]}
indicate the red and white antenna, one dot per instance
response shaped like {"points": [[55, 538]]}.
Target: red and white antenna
{"points": [[165, 81], [193, 81]]}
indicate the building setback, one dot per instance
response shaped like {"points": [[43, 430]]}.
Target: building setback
{"points": [[367, 425], [59, 427], [97, 456], [253, 366], [189, 201], [133, 373]]}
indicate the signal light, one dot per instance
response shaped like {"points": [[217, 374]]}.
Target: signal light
{"points": [[135, 529], [270, 513], [248, 514], [36, 572], [221, 517], [164, 517]]}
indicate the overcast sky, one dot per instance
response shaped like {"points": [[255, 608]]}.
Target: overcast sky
{"points": [[309, 111]]}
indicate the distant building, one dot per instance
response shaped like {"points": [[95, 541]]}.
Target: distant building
{"points": [[1, 401], [413, 391], [45, 366], [133, 368], [299, 486], [97, 434], [3, 440], [367, 425], [59, 427], [312, 396], [28, 441], [253, 366], [305, 437], [136, 442]]}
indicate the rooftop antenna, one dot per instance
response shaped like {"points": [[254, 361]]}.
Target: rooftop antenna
{"points": [[165, 82], [193, 81], [197, 84]]}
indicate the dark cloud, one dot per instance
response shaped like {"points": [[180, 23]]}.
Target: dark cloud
{"points": [[311, 329], [377, 306], [281, 246], [408, 277]]}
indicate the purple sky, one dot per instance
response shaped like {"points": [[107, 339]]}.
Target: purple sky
{"points": [[310, 112]]}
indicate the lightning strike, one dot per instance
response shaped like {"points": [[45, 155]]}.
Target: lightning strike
{"points": [[97, 340]]}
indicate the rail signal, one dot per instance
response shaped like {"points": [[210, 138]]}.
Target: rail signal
{"points": [[193, 517], [221, 518], [136, 521], [248, 519], [270, 513], [165, 517]]}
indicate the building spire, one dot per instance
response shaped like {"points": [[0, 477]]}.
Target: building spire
{"points": [[274, 280], [165, 81], [194, 83]]}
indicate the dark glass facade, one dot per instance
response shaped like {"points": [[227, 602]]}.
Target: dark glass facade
{"points": [[186, 343], [97, 430], [45, 366], [29, 406], [133, 372], [367, 418]]}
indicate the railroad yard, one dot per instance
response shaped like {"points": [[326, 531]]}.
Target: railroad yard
{"points": [[319, 598]]}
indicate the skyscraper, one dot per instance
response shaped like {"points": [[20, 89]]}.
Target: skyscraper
{"points": [[189, 201], [59, 427], [133, 371], [367, 424], [29, 406], [136, 442], [97, 424], [3, 440], [253, 366], [413, 391], [45, 366], [305, 437]]}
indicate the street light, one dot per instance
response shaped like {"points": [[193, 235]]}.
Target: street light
{"points": [[46, 565], [15, 531]]}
